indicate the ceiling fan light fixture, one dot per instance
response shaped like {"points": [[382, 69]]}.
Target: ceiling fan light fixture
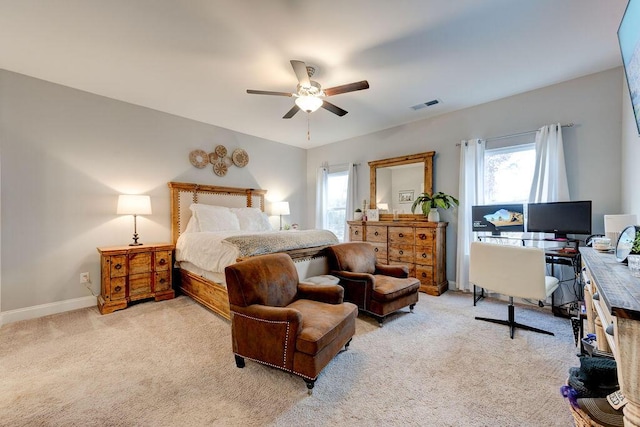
{"points": [[308, 103]]}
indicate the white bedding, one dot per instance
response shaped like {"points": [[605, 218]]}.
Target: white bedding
{"points": [[208, 250], [211, 252]]}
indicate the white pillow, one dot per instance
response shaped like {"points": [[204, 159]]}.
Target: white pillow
{"points": [[214, 218], [192, 225], [252, 219]]}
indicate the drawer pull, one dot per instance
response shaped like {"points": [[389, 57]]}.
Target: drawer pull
{"points": [[422, 236], [401, 252], [375, 249], [400, 235], [118, 288], [424, 255], [162, 280], [355, 232], [375, 234], [424, 275], [162, 261], [117, 266]]}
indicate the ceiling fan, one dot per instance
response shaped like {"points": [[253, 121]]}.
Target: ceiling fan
{"points": [[309, 94]]}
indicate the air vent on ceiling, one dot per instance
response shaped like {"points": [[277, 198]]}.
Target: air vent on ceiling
{"points": [[426, 104]]}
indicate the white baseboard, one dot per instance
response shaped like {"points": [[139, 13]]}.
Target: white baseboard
{"points": [[46, 309]]}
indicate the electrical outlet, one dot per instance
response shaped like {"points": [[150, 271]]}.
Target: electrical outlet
{"points": [[84, 277]]}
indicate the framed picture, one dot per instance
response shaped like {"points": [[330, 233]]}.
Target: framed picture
{"points": [[373, 215], [629, 38], [405, 196]]}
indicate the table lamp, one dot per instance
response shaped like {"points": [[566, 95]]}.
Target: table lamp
{"points": [[280, 208], [134, 205], [614, 224]]}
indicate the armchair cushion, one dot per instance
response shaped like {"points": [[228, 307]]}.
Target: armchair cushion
{"points": [[391, 288]]}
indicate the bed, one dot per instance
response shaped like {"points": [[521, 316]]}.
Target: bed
{"points": [[202, 256]]}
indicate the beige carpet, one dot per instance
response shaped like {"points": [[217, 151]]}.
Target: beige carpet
{"points": [[170, 364]]}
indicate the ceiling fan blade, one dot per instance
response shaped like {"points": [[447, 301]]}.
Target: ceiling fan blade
{"points": [[351, 87], [300, 68], [333, 108], [267, 92], [291, 112]]}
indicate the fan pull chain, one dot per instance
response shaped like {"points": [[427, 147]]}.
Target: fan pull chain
{"points": [[308, 130]]}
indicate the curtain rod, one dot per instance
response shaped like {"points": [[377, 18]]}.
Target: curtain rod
{"points": [[326, 165], [513, 135]]}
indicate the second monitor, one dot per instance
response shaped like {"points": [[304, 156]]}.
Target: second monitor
{"points": [[498, 218]]}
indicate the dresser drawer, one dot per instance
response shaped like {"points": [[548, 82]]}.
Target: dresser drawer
{"points": [[401, 235], [377, 234], [163, 260], [355, 233], [402, 253], [424, 255], [139, 262], [424, 273], [425, 236], [381, 252]]}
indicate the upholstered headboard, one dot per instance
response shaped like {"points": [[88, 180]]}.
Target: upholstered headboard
{"points": [[184, 194]]}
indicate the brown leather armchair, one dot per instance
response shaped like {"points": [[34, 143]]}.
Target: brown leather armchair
{"points": [[285, 324], [375, 288]]}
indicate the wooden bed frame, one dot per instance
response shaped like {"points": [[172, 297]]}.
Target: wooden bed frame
{"points": [[213, 295]]}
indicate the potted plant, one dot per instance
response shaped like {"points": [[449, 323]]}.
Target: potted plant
{"points": [[431, 202], [633, 259], [357, 215]]}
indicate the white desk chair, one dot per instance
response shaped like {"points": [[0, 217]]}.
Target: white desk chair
{"points": [[515, 271]]}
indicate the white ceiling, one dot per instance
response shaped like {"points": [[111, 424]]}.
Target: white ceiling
{"points": [[196, 58]]}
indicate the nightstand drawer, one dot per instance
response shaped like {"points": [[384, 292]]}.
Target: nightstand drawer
{"points": [[163, 260], [117, 266], [139, 262], [118, 287], [163, 281], [139, 284]]}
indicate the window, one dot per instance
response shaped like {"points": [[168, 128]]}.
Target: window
{"points": [[508, 173], [337, 183]]}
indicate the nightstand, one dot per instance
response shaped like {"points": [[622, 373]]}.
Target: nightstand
{"points": [[131, 273]]}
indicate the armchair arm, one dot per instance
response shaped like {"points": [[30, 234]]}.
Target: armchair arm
{"points": [[358, 287], [327, 293], [265, 333], [399, 271]]}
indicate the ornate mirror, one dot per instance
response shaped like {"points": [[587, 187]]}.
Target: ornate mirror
{"points": [[395, 182]]}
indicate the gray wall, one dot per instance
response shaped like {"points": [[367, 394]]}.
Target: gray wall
{"points": [[593, 103], [630, 157], [65, 157]]}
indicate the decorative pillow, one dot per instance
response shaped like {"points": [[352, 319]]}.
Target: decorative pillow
{"points": [[214, 218], [252, 219], [192, 225]]}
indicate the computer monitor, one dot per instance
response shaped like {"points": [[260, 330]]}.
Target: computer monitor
{"points": [[508, 217], [560, 218]]}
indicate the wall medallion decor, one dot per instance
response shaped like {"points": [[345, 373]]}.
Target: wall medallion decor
{"points": [[219, 159], [199, 158], [240, 157]]}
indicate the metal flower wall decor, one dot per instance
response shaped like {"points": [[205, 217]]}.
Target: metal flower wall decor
{"points": [[219, 159]]}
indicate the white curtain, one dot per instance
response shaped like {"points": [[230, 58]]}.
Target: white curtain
{"points": [[550, 175], [321, 196], [352, 189], [470, 192]]}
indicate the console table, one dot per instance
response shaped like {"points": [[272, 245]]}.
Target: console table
{"points": [[618, 303]]}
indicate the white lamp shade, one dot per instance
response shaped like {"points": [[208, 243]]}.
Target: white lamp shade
{"points": [[383, 206], [134, 205], [308, 103], [614, 224], [280, 208]]}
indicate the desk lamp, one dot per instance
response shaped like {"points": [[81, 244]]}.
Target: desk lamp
{"points": [[134, 205]]}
